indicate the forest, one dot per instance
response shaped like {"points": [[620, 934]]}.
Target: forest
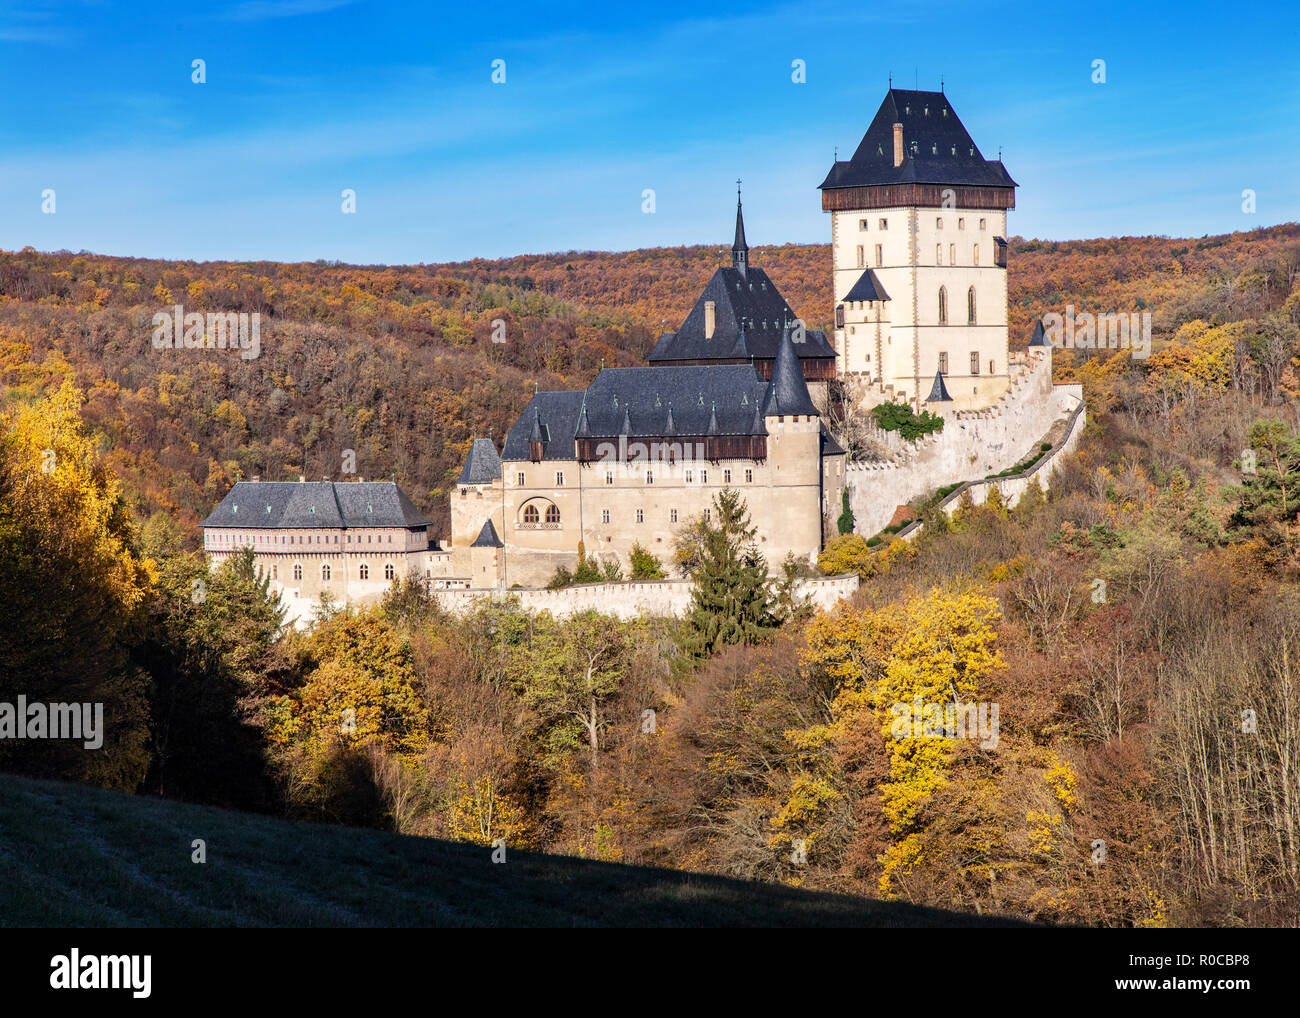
{"points": [[1135, 624]]}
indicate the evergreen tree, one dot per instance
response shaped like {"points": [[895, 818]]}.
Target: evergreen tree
{"points": [[845, 522], [731, 601], [1270, 499]]}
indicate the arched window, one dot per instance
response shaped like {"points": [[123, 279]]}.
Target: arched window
{"points": [[943, 305], [364, 571], [388, 571], [552, 514], [530, 514], [970, 306], [938, 254], [325, 573], [297, 570]]}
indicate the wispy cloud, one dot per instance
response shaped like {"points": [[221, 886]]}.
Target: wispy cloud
{"points": [[266, 10]]}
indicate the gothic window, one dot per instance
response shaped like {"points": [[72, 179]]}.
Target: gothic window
{"points": [[364, 571], [943, 306], [530, 514], [970, 306], [325, 573], [552, 514], [559, 478], [388, 571], [749, 476]]}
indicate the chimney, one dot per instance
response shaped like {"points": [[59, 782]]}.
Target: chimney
{"points": [[898, 144], [710, 318]]}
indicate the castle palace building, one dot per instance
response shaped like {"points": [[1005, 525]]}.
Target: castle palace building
{"points": [[919, 256]]}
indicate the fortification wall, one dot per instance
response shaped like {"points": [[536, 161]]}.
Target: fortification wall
{"points": [[972, 445]]}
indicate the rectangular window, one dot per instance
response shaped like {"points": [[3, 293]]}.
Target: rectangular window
{"points": [[520, 477], [749, 477], [672, 515], [609, 477], [977, 254], [974, 362], [938, 224], [704, 477], [604, 516], [861, 257], [952, 254], [943, 362], [961, 223], [880, 255], [862, 224], [559, 478], [884, 224], [649, 477], [982, 223], [726, 477], [640, 515], [991, 371], [938, 254], [689, 475], [708, 515]]}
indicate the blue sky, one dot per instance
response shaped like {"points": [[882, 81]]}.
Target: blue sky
{"points": [[304, 98]]}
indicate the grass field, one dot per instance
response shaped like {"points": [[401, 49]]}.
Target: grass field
{"points": [[74, 856]]}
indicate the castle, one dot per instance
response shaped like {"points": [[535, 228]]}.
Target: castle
{"points": [[735, 398]]}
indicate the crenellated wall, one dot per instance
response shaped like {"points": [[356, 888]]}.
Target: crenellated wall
{"points": [[972, 445]]}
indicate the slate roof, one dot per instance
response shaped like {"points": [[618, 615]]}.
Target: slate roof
{"points": [[938, 391], [315, 504], [749, 314], [660, 401], [830, 447], [1039, 338], [487, 537], [482, 465], [867, 288], [937, 149]]}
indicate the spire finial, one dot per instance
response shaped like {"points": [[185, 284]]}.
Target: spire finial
{"points": [[739, 249]]}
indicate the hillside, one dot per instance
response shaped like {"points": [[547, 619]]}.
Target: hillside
{"points": [[399, 363], [77, 856]]}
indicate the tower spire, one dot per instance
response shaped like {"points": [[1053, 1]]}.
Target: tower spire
{"points": [[739, 249]]}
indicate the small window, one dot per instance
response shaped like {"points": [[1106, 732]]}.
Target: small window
{"points": [[552, 514], [275, 572], [704, 477], [640, 515], [938, 224], [726, 477], [970, 307], [861, 257], [649, 477], [991, 371], [884, 224], [976, 254], [862, 224], [520, 477], [943, 306], [943, 361], [961, 223], [672, 515], [297, 570], [982, 223], [880, 255], [938, 254], [364, 571], [708, 515], [530, 514], [325, 573], [974, 362], [604, 516], [690, 475], [749, 477], [559, 478], [388, 571], [952, 254]]}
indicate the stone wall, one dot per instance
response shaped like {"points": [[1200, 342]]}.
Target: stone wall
{"points": [[624, 600], [972, 445]]}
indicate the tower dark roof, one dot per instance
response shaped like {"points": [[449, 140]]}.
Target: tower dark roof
{"points": [[938, 391], [487, 537], [937, 149], [867, 288], [482, 465], [739, 249], [315, 504], [749, 314]]}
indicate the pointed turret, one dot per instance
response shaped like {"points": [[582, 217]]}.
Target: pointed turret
{"points": [[713, 420], [584, 426], [1039, 338], [670, 426], [787, 392], [739, 249], [938, 391], [535, 439], [626, 429]]}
